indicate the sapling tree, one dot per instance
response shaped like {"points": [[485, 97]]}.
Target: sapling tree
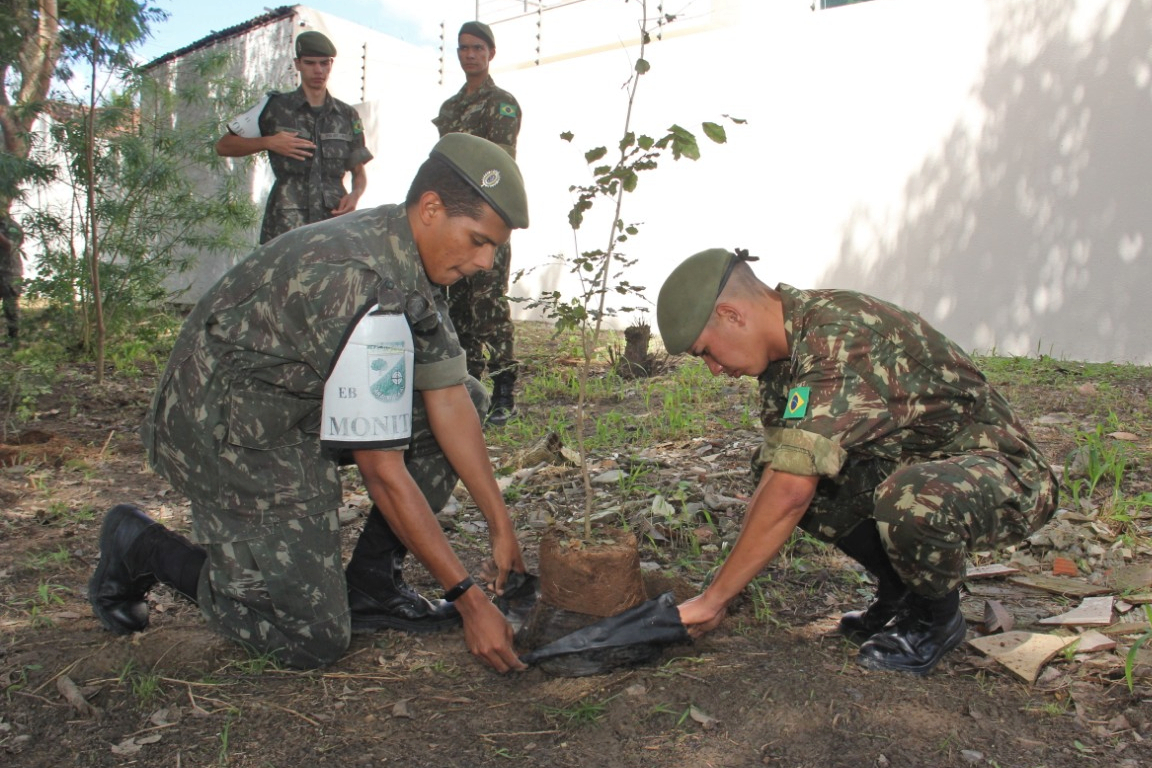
{"points": [[603, 272]]}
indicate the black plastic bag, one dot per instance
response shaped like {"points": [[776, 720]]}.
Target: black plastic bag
{"points": [[636, 636], [521, 592]]}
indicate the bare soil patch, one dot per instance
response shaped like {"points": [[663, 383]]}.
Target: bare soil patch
{"points": [[773, 686]]}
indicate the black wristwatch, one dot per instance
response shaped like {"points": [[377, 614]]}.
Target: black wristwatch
{"points": [[458, 591]]}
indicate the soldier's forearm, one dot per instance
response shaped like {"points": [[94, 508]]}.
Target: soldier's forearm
{"points": [[231, 145]]}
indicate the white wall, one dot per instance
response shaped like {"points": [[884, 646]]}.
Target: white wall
{"points": [[984, 162]]}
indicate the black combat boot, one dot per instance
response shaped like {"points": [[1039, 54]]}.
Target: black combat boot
{"points": [[136, 553], [378, 597], [503, 405], [915, 642], [864, 546]]}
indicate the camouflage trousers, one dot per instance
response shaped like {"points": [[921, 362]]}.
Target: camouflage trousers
{"points": [[931, 515], [480, 311], [289, 206], [283, 592], [11, 286]]}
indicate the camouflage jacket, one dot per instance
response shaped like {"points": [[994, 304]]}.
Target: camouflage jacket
{"points": [[490, 113], [11, 265], [307, 190], [868, 379], [235, 422]]}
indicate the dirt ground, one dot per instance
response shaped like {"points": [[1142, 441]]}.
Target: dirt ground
{"points": [[772, 686]]}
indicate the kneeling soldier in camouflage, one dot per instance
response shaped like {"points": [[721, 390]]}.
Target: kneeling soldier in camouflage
{"points": [[328, 346], [880, 436]]}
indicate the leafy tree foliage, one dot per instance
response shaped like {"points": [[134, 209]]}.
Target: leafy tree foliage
{"points": [[150, 208]]}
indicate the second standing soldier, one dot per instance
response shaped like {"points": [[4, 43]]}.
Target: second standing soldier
{"points": [[479, 305]]}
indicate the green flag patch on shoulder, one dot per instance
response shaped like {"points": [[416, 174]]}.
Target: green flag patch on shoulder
{"points": [[797, 403], [508, 110]]}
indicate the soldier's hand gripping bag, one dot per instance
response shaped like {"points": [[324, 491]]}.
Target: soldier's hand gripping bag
{"points": [[521, 591], [636, 636]]}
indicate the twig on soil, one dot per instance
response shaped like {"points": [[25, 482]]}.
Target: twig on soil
{"points": [[106, 443], [305, 718], [518, 733], [37, 696], [52, 680], [727, 473], [151, 728]]}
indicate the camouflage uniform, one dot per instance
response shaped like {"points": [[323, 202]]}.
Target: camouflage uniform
{"points": [[235, 423], [902, 427], [11, 273], [308, 190], [479, 304]]}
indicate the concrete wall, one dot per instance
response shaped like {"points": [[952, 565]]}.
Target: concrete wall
{"points": [[984, 162]]}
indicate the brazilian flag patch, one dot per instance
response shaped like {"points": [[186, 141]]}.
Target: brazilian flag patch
{"points": [[508, 110], [797, 403]]}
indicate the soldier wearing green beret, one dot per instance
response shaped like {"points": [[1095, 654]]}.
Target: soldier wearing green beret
{"points": [[479, 305], [11, 272], [329, 345], [880, 436], [312, 139]]}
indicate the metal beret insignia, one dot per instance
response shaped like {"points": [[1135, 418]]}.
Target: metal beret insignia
{"points": [[490, 178]]}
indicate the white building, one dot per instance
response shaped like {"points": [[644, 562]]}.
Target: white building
{"points": [[984, 162]]}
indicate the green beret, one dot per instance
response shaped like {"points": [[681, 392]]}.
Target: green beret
{"points": [[480, 30], [313, 43], [689, 295], [491, 171]]}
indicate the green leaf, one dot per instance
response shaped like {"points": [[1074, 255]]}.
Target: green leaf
{"points": [[593, 155], [629, 179], [566, 136], [645, 142], [715, 132], [642, 66], [628, 140], [685, 146]]}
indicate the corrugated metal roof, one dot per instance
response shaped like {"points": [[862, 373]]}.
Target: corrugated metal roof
{"points": [[267, 18]]}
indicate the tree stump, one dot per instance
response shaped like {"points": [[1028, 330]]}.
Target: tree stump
{"points": [[636, 362]]}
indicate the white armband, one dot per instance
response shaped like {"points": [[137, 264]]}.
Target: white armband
{"points": [[368, 396], [247, 125]]}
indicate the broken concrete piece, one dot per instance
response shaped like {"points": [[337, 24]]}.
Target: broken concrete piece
{"points": [[1059, 585], [1132, 578], [1092, 641], [997, 618], [1092, 612], [1023, 654], [1125, 628], [989, 571]]}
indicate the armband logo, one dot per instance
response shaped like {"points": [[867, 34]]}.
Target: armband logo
{"points": [[797, 403], [391, 383]]}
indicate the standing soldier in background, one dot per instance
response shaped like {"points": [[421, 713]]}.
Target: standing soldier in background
{"points": [[479, 305], [311, 139], [11, 272]]}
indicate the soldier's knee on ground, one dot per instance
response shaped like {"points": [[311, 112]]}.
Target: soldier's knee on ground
{"points": [[326, 644]]}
